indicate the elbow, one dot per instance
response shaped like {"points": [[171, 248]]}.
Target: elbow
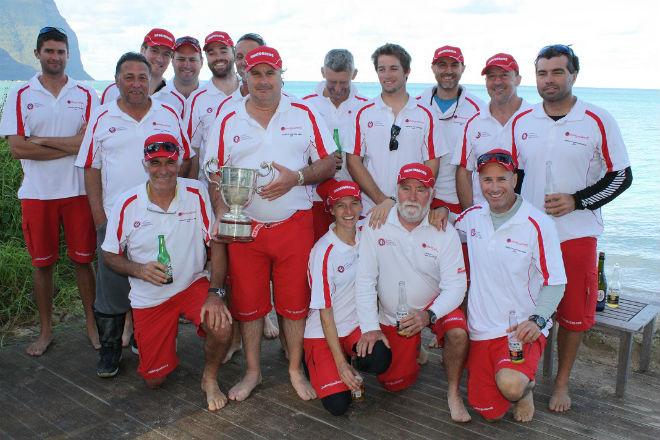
{"points": [[352, 164]]}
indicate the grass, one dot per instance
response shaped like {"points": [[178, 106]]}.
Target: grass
{"points": [[17, 306]]}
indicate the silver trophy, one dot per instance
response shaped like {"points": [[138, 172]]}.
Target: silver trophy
{"points": [[237, 186]]}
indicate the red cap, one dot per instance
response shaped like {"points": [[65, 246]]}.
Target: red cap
{"points": [[452, 52], [503, 60], [152, 151], [187, 41], [263, 55], [417, 171], [343, 188], [499, 156], [218, 37], [159, 37]]}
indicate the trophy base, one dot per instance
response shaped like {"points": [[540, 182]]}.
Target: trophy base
{"points": [[235, 231]]}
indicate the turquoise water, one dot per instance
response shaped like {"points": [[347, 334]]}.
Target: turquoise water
{"points": [[632, 237]]}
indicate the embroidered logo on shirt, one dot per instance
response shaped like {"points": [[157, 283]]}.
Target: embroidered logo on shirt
{"points": [[209, 110], [340, 269], [475, 233], [237, 139]]}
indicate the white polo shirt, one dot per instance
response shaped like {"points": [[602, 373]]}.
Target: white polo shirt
{"points": [[294, 135], [135, 224], [171, 96], [429, 261], [448, 130], [508, 267], [114, 143], [111, 93], [583, 146], [481, 134], [31, 110], [331, 274], [371, 140]]}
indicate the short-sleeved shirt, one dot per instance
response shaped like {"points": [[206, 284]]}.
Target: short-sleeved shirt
{"points": [[171, 96], [448, 127], [111, 93], [331, 274], [429, 261], [508, 266], [114, 143], [294, 135], [371, 133], [135, 224], [481, 134], [582, 146], [31, 110]]}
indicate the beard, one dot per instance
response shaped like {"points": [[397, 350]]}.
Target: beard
{"points": [[413, 212], [221, 72]]}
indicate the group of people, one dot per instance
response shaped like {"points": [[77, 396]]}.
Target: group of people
{"points": [[375, 204]]}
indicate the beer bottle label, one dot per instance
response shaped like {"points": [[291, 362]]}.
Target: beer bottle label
{"points": [[516, 351], [601, 295]]}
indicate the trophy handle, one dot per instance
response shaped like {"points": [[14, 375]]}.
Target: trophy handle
{"points": [[269, 167], [210, 169]]}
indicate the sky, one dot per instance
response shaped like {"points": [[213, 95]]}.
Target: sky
{"points": [[614, 40]]}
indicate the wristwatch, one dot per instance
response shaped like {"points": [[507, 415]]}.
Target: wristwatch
{"points": [[301, 178], [220, 291], [392, 198], [432, 317], [538, 320]]}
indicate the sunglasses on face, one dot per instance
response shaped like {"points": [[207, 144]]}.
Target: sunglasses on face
{"points": [[394, 132], [187, 40], [503, 158], [158, 146], [48, 29]]}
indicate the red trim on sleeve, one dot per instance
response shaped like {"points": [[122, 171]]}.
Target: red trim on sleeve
{"points": [[430, 145], [464, 213], [326, 284], [318, 139], [604, 147], [217, 112], [90, 150], [360, 98], [464, 146], [313, 95], [120, 226], [20, 126], [514, 148], [183, 103], [358, 134], [192, 109], [544, 266], [221, 140], [473, 103], [88, 108], [105, 92], [186, 146], [202, 207]]}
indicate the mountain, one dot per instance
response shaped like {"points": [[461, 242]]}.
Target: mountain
{"points": [[20, 22]]}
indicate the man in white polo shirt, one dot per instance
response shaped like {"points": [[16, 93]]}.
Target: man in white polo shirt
{"points": [[43, 121], [516, 266], [490, 126], [581, 146], [246, 43], [408, 252], [452, 106], [111, 154], [388, 132], [170, 216]]}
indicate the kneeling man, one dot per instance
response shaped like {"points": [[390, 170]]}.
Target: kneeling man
{"points": [[515, 265], [158, 233]]}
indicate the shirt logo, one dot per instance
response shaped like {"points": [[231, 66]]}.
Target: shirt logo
{"points": [[478, 134], [136, 224], [112, 129], [524, 136], [475, 233], [209, 110], [340, 269], [237, 139], [370, 124], [30, 106], [384, 242]]}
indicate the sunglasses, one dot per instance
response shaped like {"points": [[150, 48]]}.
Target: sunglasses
{"points": [[561, 48], [187, 40], [158, 146], [49, 29], [460, 90], [502, 158], [394, 132]]}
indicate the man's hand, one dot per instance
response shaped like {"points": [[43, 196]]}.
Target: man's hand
{"points": [[527, 332], [366, 343], [438, 217], [349, 375], [281, 185], [338, 160], [214, 313], [379, 213], [413, 323], [215, 230], [152, 272], [559, 204]]}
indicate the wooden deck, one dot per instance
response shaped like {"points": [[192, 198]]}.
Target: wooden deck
{"points": [[59, 396]]}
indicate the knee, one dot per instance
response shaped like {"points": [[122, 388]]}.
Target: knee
{"points": [[223, 334], [456, 337], [378, 361], [155, 382], [512, 384], [337, 404]]}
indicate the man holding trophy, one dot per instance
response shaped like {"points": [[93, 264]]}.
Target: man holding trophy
{"points": [[271, 237]]}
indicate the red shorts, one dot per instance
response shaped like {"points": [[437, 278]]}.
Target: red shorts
{"points": [[404, 369], [322, 220], [323, 374], [577, 309], [41, 229], [281, 252], [156, 329], [488, 357]]}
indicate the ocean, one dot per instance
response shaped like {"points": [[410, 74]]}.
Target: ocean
{"points": [[631, 237]]}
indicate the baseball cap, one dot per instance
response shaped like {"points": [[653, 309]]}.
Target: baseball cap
{"points": [[452, 52], [417, 171], [497, 155], [343, 188], [503, 60], [161, 145], [159, 37], [263, 55], [218, 37], [187, 41]]}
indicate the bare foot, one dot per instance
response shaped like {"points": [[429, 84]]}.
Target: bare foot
{"points": [[39, 347], [242, 390], [523, 410], [270, 329], [560, 400], [232, 350], [302, 385], [215, 398], [93, 335], [457, 410], [423, 356]]}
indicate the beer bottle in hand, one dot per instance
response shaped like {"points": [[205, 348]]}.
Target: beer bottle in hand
{"points": [[335, 137], [402, 308], [602, 282], [164, 259], [515, 345], [614, 288]]}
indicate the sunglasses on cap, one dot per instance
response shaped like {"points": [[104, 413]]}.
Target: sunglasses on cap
{"points": [[502, 158], [561, 48], [158, 146], [49, 29], [394, 132], [186, 40]]}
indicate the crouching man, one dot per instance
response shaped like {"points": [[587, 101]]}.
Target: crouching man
{"points": [[157, 235]]}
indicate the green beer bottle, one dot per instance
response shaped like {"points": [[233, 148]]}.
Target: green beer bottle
{"points": [[335, 137], [602, 283], [164, 259]]}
